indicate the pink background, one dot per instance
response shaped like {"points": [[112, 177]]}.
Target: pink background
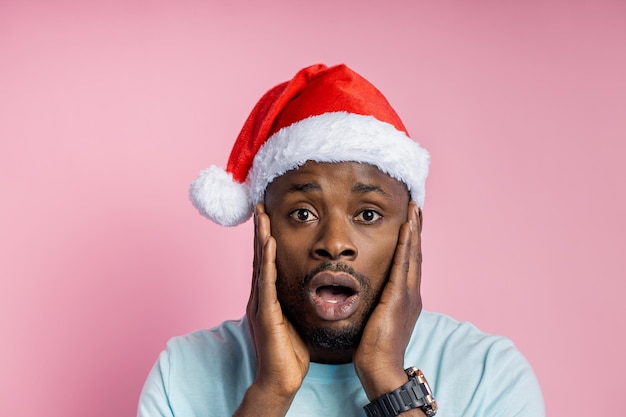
{"points": [[109, 110]]}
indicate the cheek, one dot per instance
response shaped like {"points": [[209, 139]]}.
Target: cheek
{"points": [[286, 242], [288, 272], [291, 251], [378, 254]]}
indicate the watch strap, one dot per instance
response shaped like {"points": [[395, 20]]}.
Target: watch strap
{"points": [[402, 399], [415, 393]]}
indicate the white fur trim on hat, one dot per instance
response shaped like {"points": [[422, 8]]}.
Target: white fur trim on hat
{"points": [[341, 137], [217, 196]]}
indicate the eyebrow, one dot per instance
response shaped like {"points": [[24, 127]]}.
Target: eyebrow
{"points": [[308, 186], [368, 188], [359, 188]]}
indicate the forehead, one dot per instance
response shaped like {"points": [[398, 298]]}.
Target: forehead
{"points": [[340, 177]]}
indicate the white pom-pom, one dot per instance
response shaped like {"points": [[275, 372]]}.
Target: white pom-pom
{"points": [[220, 198]]}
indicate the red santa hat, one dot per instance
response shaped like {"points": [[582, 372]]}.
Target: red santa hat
{"points": [[323, 114]]}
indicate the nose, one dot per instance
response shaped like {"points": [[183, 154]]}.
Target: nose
{"points": [[334, 241]]}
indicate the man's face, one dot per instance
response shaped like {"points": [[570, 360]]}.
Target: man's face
{"points": [[336, 227]]}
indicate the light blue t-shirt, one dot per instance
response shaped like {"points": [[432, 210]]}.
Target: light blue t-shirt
{"points": [[472, 374]]}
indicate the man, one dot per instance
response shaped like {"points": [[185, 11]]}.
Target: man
{"points": [[331, 327]]}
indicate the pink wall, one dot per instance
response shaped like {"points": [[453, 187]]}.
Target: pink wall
{"points": [[107, 113]]}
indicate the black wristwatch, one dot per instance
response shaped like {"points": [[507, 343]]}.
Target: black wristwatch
{"points": [[414, 394]]}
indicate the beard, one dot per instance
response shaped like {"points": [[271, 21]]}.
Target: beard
{"points": [[325, 338], [293, 300]]}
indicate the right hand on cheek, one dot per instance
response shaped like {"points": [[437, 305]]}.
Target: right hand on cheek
{"points": [[282, 357]]}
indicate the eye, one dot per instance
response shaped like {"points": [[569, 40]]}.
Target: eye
{"points": [[368, 216], [302, 215]]}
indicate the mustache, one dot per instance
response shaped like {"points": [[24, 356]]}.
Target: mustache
{"points": [[335, 267]]}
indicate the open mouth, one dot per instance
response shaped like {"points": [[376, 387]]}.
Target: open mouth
{"points": [[334, 294]]}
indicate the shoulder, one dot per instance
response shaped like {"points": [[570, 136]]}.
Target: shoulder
{"points": [[227, 333], [224, 349], [445, 333], [445, 339], [473, 372], [203, 372], [230, 339]]}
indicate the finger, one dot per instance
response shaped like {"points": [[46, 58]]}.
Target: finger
{"points": [[266, 255], [401, 258], [252, 305], [268, 299], [415, 266], [260, 233], [263, 233], [256, 237]]}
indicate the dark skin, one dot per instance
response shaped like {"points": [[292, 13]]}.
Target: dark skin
{"points": [[347, 214]]}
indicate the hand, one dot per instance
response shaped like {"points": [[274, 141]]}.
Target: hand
{"points": [[379, 358], [282, 357]]}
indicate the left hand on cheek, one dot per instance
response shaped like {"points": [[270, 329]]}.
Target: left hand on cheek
{"points": [[379, 358]]}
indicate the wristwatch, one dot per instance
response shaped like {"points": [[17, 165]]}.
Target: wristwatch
{"points": [[414, 394]]}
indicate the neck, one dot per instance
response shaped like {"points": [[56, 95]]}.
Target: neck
{"points": [[330, 357]]}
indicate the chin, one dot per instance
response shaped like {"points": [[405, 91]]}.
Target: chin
{"points": [[334, 337], [330, 339]]}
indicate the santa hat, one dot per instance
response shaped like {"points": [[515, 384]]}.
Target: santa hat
{"points": [[323, 114]]}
